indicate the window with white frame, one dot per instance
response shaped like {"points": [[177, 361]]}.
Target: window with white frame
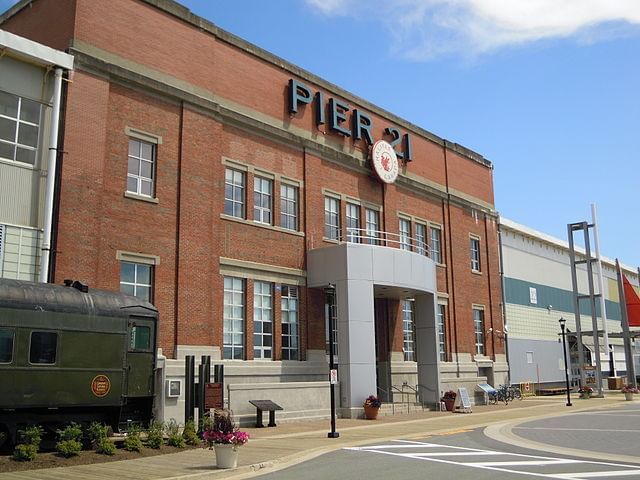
{"points": [[353, 223], [262, 200], [136, 279], [332, 218], [436, 245], [478, 326], [233, 318], [372, 226], [234, 193], [475, 254], [19, 128], [405, 234], [141, 167], [289, 207], [408, 331], [442, 345], [421, 238], [290, 322], [20, 250], [262, 320]]}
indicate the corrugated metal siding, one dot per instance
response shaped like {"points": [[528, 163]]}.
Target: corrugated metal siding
{"points": [[20, 194], [547, 359]]}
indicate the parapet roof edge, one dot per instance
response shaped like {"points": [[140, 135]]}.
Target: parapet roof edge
{"points": [[530, 232], [183, 13], [34, 52]]}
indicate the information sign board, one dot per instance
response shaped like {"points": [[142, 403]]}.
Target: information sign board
{"points": [[462, 401], [213, 397]]}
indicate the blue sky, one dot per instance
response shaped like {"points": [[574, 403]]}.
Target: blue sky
{"points": [[548, 93]]}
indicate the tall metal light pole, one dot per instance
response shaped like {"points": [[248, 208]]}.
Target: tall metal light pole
{"points": [[566, 367], [329, 300]]}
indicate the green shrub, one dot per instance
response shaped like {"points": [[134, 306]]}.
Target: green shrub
{"points": [[132, 442], [189, 433], [69, 448], [25, 452], [105, 447], [173, 432], [155, 435], [31, 435], [96, 433], [70, 432]]}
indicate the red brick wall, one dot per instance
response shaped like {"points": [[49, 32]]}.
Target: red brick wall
{"points": [[185, 228]]}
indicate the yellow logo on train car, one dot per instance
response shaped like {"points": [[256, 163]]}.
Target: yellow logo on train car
{"points": [[100, 385]]}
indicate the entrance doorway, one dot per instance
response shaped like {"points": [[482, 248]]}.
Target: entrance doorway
{"points": [[383, 349]]}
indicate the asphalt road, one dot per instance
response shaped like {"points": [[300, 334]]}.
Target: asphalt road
{"points": [[462, 455]]}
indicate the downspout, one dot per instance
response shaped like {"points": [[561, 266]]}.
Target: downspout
{"points": [[51, 180], [503, 308]]}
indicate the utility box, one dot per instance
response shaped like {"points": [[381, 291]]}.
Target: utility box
{"points": [[614, 383]]}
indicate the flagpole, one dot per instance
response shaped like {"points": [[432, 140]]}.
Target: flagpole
{"points": [[631, 376], [603, 308]]}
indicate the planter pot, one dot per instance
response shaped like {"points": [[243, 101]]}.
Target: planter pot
{"points": [[449, 403], [226, 455], [371, 413], [628, 396]]}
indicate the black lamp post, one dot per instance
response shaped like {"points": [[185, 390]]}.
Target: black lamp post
{"points": [[566, 368], [329, 292]]}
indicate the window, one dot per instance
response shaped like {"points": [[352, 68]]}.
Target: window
{"points": [[289, 207], [140, 338], [234, 182], [233, 322], [353, 223], [19, 128], [436, 249], [372, 225], [478, 325], [405, 234], [20, 250], [43, 347], [332, 218], [6, 345], [442, 345], [408, 331], [475, 254], [140, 173], [135, 280], [421, 239], [289, 310], [262, 200], [262, 320]]}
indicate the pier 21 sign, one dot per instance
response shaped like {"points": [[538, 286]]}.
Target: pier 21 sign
{"points": [[337, 111]]}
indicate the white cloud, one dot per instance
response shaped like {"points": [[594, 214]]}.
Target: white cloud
{"points": [[427, 28]]}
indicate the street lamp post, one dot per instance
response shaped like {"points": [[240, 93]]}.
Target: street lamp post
{"points": [[566, 367], [330, 292]]}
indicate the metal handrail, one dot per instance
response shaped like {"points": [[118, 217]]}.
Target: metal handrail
{"points": [[385, 239]]}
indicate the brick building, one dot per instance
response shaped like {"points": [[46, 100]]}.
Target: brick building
{"points": [[232, 188]]}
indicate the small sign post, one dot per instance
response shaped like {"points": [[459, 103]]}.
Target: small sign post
{"points": [[213, 397], [463, 403], [333, 376]]}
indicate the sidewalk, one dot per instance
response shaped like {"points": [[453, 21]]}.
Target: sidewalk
{"points": [[289, 443]]}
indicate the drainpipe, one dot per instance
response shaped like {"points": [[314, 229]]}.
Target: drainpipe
{"points": [[504, 303], [51, 173]]}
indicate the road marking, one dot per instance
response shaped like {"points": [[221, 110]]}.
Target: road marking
{"points": [[576, 429], [509, 465]]}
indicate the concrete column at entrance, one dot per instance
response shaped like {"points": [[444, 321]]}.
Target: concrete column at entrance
{"points": [[356, 342], [427, 348]]}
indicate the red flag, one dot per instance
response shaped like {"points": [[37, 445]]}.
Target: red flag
{"points": [[633, 303]]}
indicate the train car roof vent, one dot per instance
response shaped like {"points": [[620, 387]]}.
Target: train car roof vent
{"points": [[76, 284]]}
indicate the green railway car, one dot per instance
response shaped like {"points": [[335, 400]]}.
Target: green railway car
{"points": [[68, 353]]}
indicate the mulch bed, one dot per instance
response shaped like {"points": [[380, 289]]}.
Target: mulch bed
{"points": [[52, 459]]}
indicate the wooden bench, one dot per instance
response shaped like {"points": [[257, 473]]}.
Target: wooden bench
{"points": [[268, 405]]}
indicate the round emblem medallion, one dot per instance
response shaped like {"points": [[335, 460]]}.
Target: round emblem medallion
{"points": [[100, 385], [385, 161]]}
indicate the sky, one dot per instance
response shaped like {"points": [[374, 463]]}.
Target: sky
{"points": [[547, 91]]}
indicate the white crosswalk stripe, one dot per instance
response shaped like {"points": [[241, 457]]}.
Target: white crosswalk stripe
{"points": [[535, 465]]}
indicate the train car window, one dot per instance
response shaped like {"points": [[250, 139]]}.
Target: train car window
{"points": [[140, 338], [43, 347], [6, 345]]}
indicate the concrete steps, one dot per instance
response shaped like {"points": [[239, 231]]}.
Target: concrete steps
{"points": [[389, 409]]}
